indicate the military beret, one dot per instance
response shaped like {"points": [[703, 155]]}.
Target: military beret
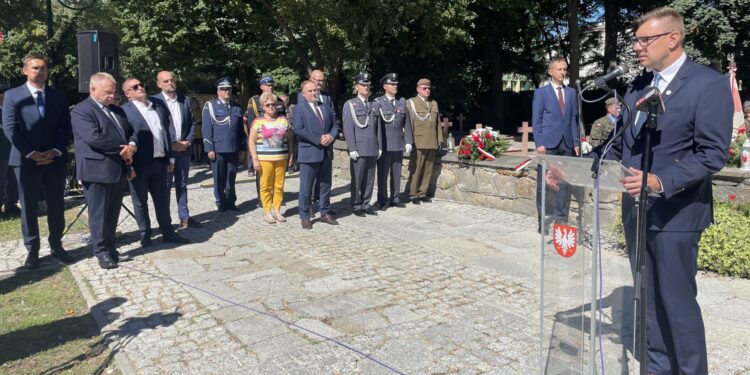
{"points": [[423, 82], [223, 82], [3, 88], [746, 106], [362, 79], [266, 80], [391, 78], [610, 102]]}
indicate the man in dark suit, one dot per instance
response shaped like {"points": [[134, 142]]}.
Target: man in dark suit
{"points": [[8, 185], [314, 126], [152, 162], [688, 145], [37, 123], [181, 132], [105, 144], [554, 121]]}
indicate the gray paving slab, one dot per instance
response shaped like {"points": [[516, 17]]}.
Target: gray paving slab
{"points": [[440, 288]]}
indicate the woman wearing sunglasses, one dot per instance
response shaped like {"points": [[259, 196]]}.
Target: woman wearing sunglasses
{"points": [[269, 140]]}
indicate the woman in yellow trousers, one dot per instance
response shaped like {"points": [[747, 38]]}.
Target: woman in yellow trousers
{"points": [[269, 140]]}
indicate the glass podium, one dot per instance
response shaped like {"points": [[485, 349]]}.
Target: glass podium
{"points": [[586, 315]]}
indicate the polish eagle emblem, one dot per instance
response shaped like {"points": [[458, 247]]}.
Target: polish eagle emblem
{"points": [[565, 239]]}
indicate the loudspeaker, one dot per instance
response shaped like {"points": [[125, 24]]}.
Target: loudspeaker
{"points": [[97, 52]]}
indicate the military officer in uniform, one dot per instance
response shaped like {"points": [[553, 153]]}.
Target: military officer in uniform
{"points": [[423, 115], [363, 142], [395, 137], [223, 137], [603, 126]]}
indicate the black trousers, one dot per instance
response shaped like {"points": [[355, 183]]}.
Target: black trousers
{"points": [[224, 170], [33, 181], [558, 202], [389, 176], [104, 201], [151, 178]]}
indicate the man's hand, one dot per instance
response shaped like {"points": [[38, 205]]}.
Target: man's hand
{"points": [[126, 152], [211, 155], [180, 146], [170, 168], [407, 148], [131, 175], [43, 158], [354, 155], [553, 177], [633, 183], [540, 150], [577, 150], [326, 139]]}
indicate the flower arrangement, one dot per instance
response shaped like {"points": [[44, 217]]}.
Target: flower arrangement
{"points": [[482, 144], [735, 148]]}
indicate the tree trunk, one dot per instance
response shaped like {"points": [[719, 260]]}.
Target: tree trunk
{"points": [[574, 38], [611, 13]]}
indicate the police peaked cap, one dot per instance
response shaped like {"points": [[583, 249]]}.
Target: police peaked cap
{"points": [[362, 79], [391, 78]]}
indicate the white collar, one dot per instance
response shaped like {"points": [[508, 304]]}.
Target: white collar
{"points": [[667, 75], [362, 98], [167, 98], [33, 89], [555, 86], [390, 97], [147, 105], [221, 101]]}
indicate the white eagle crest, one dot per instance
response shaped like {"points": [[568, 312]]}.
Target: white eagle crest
{"points": [[565, 238]]}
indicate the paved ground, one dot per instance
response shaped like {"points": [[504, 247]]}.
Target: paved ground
{"points": [[440, 288]]}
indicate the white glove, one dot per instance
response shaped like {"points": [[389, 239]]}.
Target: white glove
{"points": [[354, 155], [586, 147], [407, 148], [380, 152]]}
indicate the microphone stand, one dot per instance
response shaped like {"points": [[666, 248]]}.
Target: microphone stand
{"points": [[641, 277]]}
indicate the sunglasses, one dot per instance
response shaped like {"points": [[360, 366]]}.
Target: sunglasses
{"points": [[269, 105], [424, 88], [225, 89], [136, 86]]}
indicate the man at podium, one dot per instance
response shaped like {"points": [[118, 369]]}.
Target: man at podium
{"points": [[689, 144]]}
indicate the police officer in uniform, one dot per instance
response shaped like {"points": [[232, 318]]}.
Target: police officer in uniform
{"points": [[423, 115], [602, 127], [364, 144], [395, 136], [223, 138]]}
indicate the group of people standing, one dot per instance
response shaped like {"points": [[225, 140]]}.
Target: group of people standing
{"points": [[377, 133]]}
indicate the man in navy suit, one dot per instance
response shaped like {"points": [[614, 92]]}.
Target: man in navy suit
{"points": [[688, 145], [37, 123], [314, 126], [181, 131], [555, 123], [105, 144], [8, 186], [152, 162]]}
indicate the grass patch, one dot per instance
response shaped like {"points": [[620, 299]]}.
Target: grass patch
{"points": [[46, 327], [10, 227]]}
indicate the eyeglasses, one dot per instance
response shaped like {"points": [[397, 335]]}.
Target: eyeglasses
{"points": [[645, 41], [225, 89], [269, 105], [426, 88], [136, 87]]}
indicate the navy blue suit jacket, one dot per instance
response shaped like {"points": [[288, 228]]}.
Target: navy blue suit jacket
{"points": [[551, 126], [188, 119], [28, 131], [308, 130], [98, 141], [145, 139], [689, 144]]}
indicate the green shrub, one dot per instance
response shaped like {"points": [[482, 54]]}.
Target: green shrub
{"points": [[725, 245]]}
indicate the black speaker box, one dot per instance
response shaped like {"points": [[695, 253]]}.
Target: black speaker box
{"points": [[97, 52]]}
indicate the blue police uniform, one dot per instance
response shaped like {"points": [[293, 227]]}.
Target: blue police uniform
{"points": [[223, 134]]}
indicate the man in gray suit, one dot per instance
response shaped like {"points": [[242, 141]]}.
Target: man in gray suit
{"points": [[363, 142], [395, 136]]}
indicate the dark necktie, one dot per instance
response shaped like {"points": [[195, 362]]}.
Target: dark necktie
{"points": [[114, 119], [393, 103], [561, 99], [40, 102], [318, 114]]}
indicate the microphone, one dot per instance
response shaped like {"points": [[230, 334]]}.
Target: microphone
{"points": [[614, 73], [652, 96]]}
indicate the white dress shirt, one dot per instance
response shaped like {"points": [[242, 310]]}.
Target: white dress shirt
{"points": [[176, 111], [148, 112]]}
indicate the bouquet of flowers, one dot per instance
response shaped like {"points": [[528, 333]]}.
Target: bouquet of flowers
{"points": [[482, 144], [735, 148]]}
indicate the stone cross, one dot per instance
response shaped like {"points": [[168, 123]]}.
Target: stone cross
{"points": [[524, 130], [461, 119], [446, 125]]}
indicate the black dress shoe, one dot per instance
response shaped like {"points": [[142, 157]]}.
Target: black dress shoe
{"points": [[12, 210], [105, 262], [63, 256], [382, 207], [146, 241], [398, 204], [232, 207], [370, 211], [32, 261], [174, 238], [416, 200], [192, 223], [306, 224], [221, 208], [425, 198], [359, 213], [329, 219]]}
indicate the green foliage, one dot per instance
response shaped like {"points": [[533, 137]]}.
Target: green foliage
{"points": [[724, 247]]}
